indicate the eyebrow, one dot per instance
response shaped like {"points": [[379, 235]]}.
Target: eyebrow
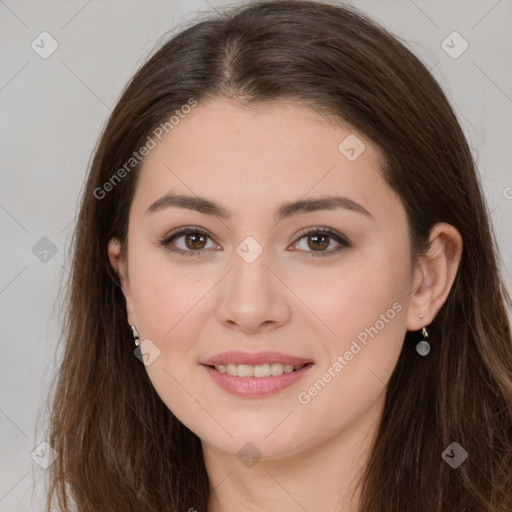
{"points": [[208, 207]]}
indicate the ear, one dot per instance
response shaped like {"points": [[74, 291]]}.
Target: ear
{"points": [[120, 267], [434, 275]]}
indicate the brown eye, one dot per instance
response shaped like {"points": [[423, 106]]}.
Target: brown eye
{"points": [[194, 241], [317, 242]]}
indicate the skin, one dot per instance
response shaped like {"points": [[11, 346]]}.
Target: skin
{"points": [[193, 307]]}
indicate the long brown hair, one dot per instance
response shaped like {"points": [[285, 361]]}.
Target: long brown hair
{"points": [[119, 447]]}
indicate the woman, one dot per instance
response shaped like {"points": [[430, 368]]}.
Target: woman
{"points": [[339, 339]]}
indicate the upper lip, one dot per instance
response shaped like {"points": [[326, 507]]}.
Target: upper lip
{"points": [[255, 358]]}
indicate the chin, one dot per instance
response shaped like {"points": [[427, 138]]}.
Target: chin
{"points": [[248, 443]]}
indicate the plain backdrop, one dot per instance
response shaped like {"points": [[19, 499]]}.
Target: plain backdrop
{"points": [[53, 110]]}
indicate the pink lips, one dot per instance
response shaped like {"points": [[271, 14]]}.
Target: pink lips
{"points": [[238, 357], [256, 387]]}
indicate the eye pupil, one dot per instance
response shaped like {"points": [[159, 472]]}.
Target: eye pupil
{"points": [[316, 238], [198, 239]]}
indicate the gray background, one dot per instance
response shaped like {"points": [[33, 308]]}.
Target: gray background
{"points": [[53, 110]]}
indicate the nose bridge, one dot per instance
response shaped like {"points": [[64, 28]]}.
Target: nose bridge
{"points": [[250, 281], [252, 295]]}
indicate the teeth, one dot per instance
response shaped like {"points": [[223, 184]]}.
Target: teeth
{"points": [[259, 370]]}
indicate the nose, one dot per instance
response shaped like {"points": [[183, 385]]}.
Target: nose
{"points": [[252, 298]]}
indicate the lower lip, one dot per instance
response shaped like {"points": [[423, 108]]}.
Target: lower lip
{"points": [[256, 387]]}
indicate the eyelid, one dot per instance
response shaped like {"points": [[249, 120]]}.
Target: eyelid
{"points": [[324, 230], [183, 230]]}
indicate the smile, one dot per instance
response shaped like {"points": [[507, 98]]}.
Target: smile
{"points": [[258, 371]]}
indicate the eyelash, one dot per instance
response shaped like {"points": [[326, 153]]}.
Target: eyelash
{"points": [[196, 230]]}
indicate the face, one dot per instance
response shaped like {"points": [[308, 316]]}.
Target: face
{"points": [[321, 284]]}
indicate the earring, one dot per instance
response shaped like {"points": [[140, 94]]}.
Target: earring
{"points": [[135, 333], [423, 347]]}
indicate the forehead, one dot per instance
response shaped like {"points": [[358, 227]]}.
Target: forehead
{"points": [[255, 156]]}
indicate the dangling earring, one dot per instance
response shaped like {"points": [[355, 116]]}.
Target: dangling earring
{"points": [[423, 347], [135, 333]]}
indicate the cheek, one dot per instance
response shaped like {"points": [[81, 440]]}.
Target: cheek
{"points": [[169, 301], [365, 291], [163, 293], [369, 325], [363, 307]]}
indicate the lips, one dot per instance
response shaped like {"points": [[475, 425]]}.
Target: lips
{"points": [[256, 358], [256, 387]]}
